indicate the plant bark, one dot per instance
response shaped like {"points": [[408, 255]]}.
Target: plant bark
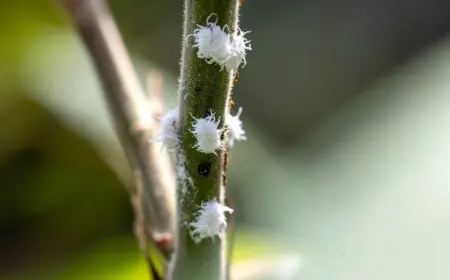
{"points": [[131, 112]]}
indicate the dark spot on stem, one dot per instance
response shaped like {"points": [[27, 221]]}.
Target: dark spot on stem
{"points": [[204, 168], [225, 159], [225, 167], [222, 135], [197, 90], [224, 180]]}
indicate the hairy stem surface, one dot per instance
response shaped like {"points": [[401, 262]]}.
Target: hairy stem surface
{"points": [[204, 89]]}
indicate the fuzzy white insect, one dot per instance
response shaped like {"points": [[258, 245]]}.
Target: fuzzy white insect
{"points": [[168, 129], [207, 134], [238, 48], [235, 130], [215, 45], [210, 221], [212, 42]]}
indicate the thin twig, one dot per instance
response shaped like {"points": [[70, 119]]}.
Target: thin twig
{"points": [[132, 116]]}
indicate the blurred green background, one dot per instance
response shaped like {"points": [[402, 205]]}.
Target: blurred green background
{"points": [[347, 162]]}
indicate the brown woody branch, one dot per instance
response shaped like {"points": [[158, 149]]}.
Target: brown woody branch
{"points": [[133, 116]]}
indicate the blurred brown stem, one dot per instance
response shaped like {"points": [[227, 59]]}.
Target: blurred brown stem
{"points": [[154, 195]]}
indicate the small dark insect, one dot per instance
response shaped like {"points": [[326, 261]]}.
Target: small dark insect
{"points": [[204, 168]]}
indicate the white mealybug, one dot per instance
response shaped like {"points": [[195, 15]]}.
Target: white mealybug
{"points": [[238, 47], [212, 42], [235, 130], [168, 129], [207, 134], [210, 221], [215, 45]]}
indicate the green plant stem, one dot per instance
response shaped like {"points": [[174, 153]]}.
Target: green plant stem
{"points": [[204, 89]]}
